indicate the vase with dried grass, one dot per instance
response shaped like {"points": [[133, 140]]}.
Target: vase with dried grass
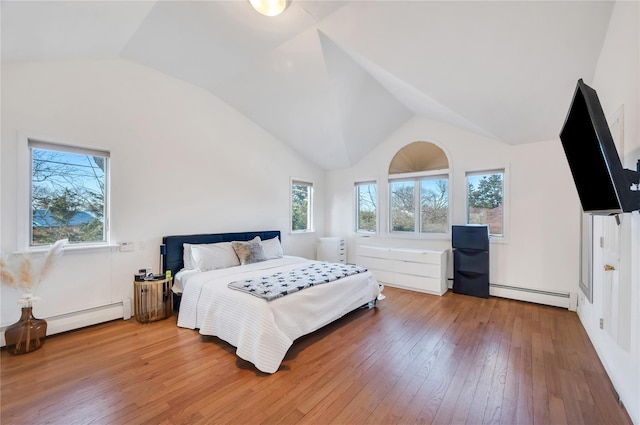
{"points": [[28, 333]]}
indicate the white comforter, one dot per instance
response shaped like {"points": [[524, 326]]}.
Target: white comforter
{"points": [[262, 331]]}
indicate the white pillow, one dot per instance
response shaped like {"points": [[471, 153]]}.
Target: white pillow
{"points": [[214, 256], [272, 248], [187, 258]]}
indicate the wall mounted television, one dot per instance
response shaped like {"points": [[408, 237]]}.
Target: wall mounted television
{"points": [[604, 186]]}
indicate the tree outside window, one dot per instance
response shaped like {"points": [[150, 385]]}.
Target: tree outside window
{"points": [[485, 200], [366, 206], [402, 206], [434, 205], [425, 198], [301, 206], [68, 194]]}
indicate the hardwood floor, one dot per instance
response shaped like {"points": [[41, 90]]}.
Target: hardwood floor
{"points": [[415, 358]]}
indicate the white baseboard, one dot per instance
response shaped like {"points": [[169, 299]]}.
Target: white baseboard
{"points": [[566, 300], [83, 318]]}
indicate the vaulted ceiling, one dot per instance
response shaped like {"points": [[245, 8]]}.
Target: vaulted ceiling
{"points": [[333, 79]]}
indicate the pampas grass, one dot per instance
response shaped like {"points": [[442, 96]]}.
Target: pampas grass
{"points": [[26, 278], [6, 275], [55, 251], [25, 273]]}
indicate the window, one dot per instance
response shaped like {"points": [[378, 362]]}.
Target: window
{"points": [[485, 200], [68, 194], [366, 206], [403, 206], [420, 204], [419, 190], [301, 206]]}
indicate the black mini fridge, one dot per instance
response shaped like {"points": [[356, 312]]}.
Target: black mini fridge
{"points": [[470, 245]]}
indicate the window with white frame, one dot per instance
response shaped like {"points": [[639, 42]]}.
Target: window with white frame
{"points": [[420, 203], [366, 206], [68, 189], [301, 206], [485, 200], [419, 190]]}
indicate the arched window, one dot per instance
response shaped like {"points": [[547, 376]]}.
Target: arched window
{"points": [[417, 157], [419, 189]]}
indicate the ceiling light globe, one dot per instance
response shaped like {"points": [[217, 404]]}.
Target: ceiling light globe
{"points": [[270, 7]]}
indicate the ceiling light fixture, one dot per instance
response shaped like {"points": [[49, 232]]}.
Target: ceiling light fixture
{"points": [[270, 7]]}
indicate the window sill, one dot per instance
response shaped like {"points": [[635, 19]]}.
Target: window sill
{"points": [[69, 249], [420, 236], [301, 232], [498, 240]]}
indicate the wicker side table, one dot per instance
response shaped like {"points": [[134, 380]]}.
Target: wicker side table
{"points": [[152, 300]]}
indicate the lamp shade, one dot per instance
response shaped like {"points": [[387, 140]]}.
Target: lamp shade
{"points": [[270, 7]]}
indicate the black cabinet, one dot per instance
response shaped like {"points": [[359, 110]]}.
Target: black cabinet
{"points": [[470, 260]]}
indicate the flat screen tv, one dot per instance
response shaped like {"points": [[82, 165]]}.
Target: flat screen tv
{"points": [[604, 186]]}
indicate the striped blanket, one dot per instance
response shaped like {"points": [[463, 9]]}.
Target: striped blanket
{"points": [[280, 284]]}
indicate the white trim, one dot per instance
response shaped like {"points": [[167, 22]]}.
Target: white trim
{"points": [[557, 299], [24, 144], [310, 219], [37, 143], [41, 250], [505, 199], [356, 210], [418, 174], [79, 319], [22, 192], [417, 177]]}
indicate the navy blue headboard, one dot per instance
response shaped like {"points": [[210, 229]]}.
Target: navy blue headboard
{"points": [[172, 259]]}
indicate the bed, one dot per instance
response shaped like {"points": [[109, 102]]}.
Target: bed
{"points": [[216, 294]]}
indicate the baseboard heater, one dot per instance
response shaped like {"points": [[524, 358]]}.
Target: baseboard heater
{"points": [[557, 299], [80, 319]]}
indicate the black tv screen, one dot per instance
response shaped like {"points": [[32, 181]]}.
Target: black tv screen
{"points": [[602, 183]]}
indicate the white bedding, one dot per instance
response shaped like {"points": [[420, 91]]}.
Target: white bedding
{"points": [[180, 277], [262, 331]]}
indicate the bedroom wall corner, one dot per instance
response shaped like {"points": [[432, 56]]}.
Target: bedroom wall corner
{"points": [[533, 254], [182, 162]]}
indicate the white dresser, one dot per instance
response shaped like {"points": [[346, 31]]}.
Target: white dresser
{"points": [[332, 249], [416, 269]]}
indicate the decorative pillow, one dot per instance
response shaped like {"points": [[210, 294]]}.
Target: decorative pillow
{"points": [[272, 248], [250, 251], [214, 256]]}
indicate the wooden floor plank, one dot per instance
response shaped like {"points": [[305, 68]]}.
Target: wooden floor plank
{"points": [[540, 393], [415, 358], [489, 378], [524, 408], [493, 409], [419, 351], [466, 350], [468, 391], [398, 399]]}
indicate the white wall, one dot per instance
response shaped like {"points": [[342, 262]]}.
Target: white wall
{"points": [[182, 162], [617, 81], [539, 250]]}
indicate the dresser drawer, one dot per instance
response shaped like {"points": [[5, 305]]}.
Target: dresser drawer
{"points": [[376, 263], [414, 269], [418, 269], [374, 251], [420, 283], [416, 256]]}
